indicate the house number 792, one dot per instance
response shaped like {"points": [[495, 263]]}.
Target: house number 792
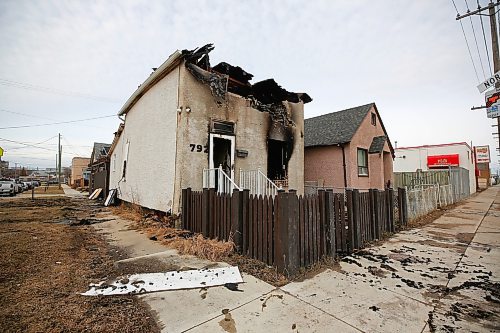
{"points": [[198, 148]]}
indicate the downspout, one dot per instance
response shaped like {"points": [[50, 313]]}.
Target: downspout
{"points": [[343, 165]]}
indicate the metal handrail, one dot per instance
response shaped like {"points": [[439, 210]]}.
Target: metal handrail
{"points": [[258, 183], [218, 179]]}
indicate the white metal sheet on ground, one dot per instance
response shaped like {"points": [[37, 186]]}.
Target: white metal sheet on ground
{"points": [[150, 282], [95, 194], [111, 197]]}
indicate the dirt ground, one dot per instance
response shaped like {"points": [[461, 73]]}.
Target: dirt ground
{"points": [[48, 190], [46, 262]]}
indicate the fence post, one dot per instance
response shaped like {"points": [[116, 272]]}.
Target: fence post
{"points": [[245, 196], [204, 212], [390, 208], [184, 209], [329, 229], [322, 222], [374, 223], [286, 234], [350, 221], [356, 221], [212, 195], [237, 219], [403, 207]]}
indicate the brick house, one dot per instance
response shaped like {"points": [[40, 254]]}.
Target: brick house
{"points": [[348, 149]]}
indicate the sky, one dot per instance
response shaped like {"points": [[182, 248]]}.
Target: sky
{"points": [[73, 60]]}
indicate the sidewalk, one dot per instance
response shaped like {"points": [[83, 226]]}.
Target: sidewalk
{"points": [[69, 192], [444, 276]]}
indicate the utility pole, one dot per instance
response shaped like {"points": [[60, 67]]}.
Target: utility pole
{"points": [[494, 46], [494, 40], [59, 164]]}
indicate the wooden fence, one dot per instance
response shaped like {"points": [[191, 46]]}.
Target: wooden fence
{"points": [[290, 231]]}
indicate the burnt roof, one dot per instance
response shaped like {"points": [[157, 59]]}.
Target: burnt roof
{"points": [[377, 145], [267, 92], [334, 128], [100, 150]]}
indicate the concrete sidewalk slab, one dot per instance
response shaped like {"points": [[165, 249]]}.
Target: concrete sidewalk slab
{"points": [[69, 192], [135, 244], [275, 312], [367, 307], [202, 305]]}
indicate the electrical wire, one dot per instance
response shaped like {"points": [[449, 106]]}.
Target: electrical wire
{"points": [[58, 123], [25, 114], [467, 43], [28, 86], [475, 39], [37, 143], [485, 43], [26, 144], [69, 145]]}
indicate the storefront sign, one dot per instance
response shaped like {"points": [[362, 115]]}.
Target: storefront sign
{"points": [[482, 154], [440, 161]]}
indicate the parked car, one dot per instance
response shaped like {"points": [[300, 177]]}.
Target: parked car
{"points": [[20, 185], [28, 185], [7, 187]]}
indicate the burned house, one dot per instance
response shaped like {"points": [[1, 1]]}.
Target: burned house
{"points": [[193, 125], [99, 168]]}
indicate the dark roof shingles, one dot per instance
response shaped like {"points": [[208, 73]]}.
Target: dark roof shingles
{"points": [[334, 128], [377, 145]]}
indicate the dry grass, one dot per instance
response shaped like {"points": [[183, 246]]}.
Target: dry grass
{"points": [[49, 190], [196, 245], [162, 229]]}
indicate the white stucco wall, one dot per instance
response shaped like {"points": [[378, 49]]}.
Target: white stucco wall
{"points": [[150, 131], [413, 158]]}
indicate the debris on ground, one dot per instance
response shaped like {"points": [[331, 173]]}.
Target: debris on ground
{"points": [[174, 280], [160, 227], [46, 264]]}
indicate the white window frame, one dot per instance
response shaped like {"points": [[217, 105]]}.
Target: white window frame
{"points": [[211, 151]]}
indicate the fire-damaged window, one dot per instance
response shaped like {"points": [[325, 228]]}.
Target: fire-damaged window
{"points": [[362, 162], [277, 160], [279, 151], [221, 127]]}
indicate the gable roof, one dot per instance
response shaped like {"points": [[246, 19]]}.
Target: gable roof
{"points": [[339, 128], [334, 128]]}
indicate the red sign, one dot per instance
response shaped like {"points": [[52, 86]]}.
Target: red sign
{"points": [[439, 161]]}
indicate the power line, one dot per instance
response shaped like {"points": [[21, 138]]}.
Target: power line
{"points": [[25, 114], [58, 123], [475, 39], [467, 43], [26, 144], [484, 37], [28, 86], [37, 143]]}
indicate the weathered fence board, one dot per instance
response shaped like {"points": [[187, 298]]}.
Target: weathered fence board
{"points": [[290, 231]]}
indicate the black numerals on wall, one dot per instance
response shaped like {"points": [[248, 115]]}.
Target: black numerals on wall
{"points": [[198, 148]]}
